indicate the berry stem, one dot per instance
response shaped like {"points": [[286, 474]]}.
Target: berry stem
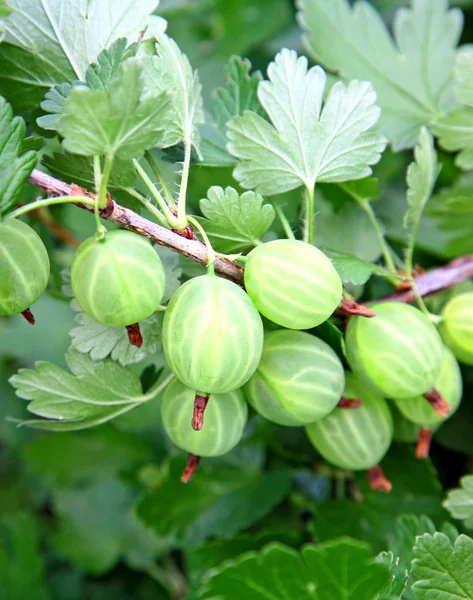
{"points": [[350, 307], [159, 176], [49, 202], [200, 404], [284, 222], [134, 335], [378, 482], [423, 443], [310, 215], [349, 403], [438, 403], [181, 202], [388, 259], [148, 205], [210, 250], [170, 218], [29, 316], [191, 467]]}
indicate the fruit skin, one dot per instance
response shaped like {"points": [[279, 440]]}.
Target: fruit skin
{"points": [[24, 267], [398, 352], [212, 335], [118, 280], [357, 438], [299, 380], [456, 328], [225, 420], [449, 383], [292, 283]]}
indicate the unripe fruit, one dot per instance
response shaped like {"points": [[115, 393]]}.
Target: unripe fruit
{"points": [[212, 335], [448, 383], [225, 420], [357, 438], [399, 351], [119, 280], [292, 283], [457, 326], [24, 267], [299, 380]]}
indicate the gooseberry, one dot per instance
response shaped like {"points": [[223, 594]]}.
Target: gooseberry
{"points": [[118, 280], [225, 420], [292, 283], [457, 326], [212, 335], [399, 351], [24, 267], [448, 383], [299, 380], [358, 438]]}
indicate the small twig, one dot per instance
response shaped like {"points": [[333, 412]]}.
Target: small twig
{"points": [[134, 335], [191, 467], [28, 316], [438, 403], [378, 481], [423, 443], [350, 307], [349, 403], [200, 404]]}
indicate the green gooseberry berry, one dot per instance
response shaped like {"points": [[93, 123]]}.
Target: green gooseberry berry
{"points": [[456, 328], [212, 335], [299, 380], [357, 438], [24, 266], [449, 383], [225, 420], [399, 351], [292, 283], [118, 280]]}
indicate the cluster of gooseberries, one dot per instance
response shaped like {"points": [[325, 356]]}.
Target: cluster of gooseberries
{"points": [[215, 344]]}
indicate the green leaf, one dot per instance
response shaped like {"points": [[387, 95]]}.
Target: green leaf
{"points": [[171, 72], [235, 222], [49, 45], [54, 104], [412, 74], [352, 269], [456, 129], [172, 270], [238, 95], [459, 502], [221, 500], [394, 588], [5, 9], [305, 144], [121, 121], [337, 569], [93, 393], [444, 568], [21, 563], [94, 540], [421, 177], [15, 168]]}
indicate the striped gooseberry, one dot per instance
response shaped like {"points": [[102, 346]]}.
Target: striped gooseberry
{"points": [[118, 280], [292, 283], [299, 380], [24, 267], [456, 327], [354, 439], [225, 420], [449, 383], [399, 351], [212, 335]]}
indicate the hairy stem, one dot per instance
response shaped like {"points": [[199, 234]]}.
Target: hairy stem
{"points": [[284, 222], [310, 216], [159, 176], [148, 205], [388, 259], [49, 202], [171, 219], [210, 250], [181, 203]]}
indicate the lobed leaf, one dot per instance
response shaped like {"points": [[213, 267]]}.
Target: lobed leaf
{"points": [[421, 177], [357, 271], [122, 120], [412, 74], [443, 567], [306, 143], [55, 42], [15, 166], [459, 501], [235, 222]]}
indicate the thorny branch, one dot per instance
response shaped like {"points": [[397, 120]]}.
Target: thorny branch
{"points": [[429, 283]]}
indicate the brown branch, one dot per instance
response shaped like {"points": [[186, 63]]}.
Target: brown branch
{"points": [[432, 282], [127, 218]]}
